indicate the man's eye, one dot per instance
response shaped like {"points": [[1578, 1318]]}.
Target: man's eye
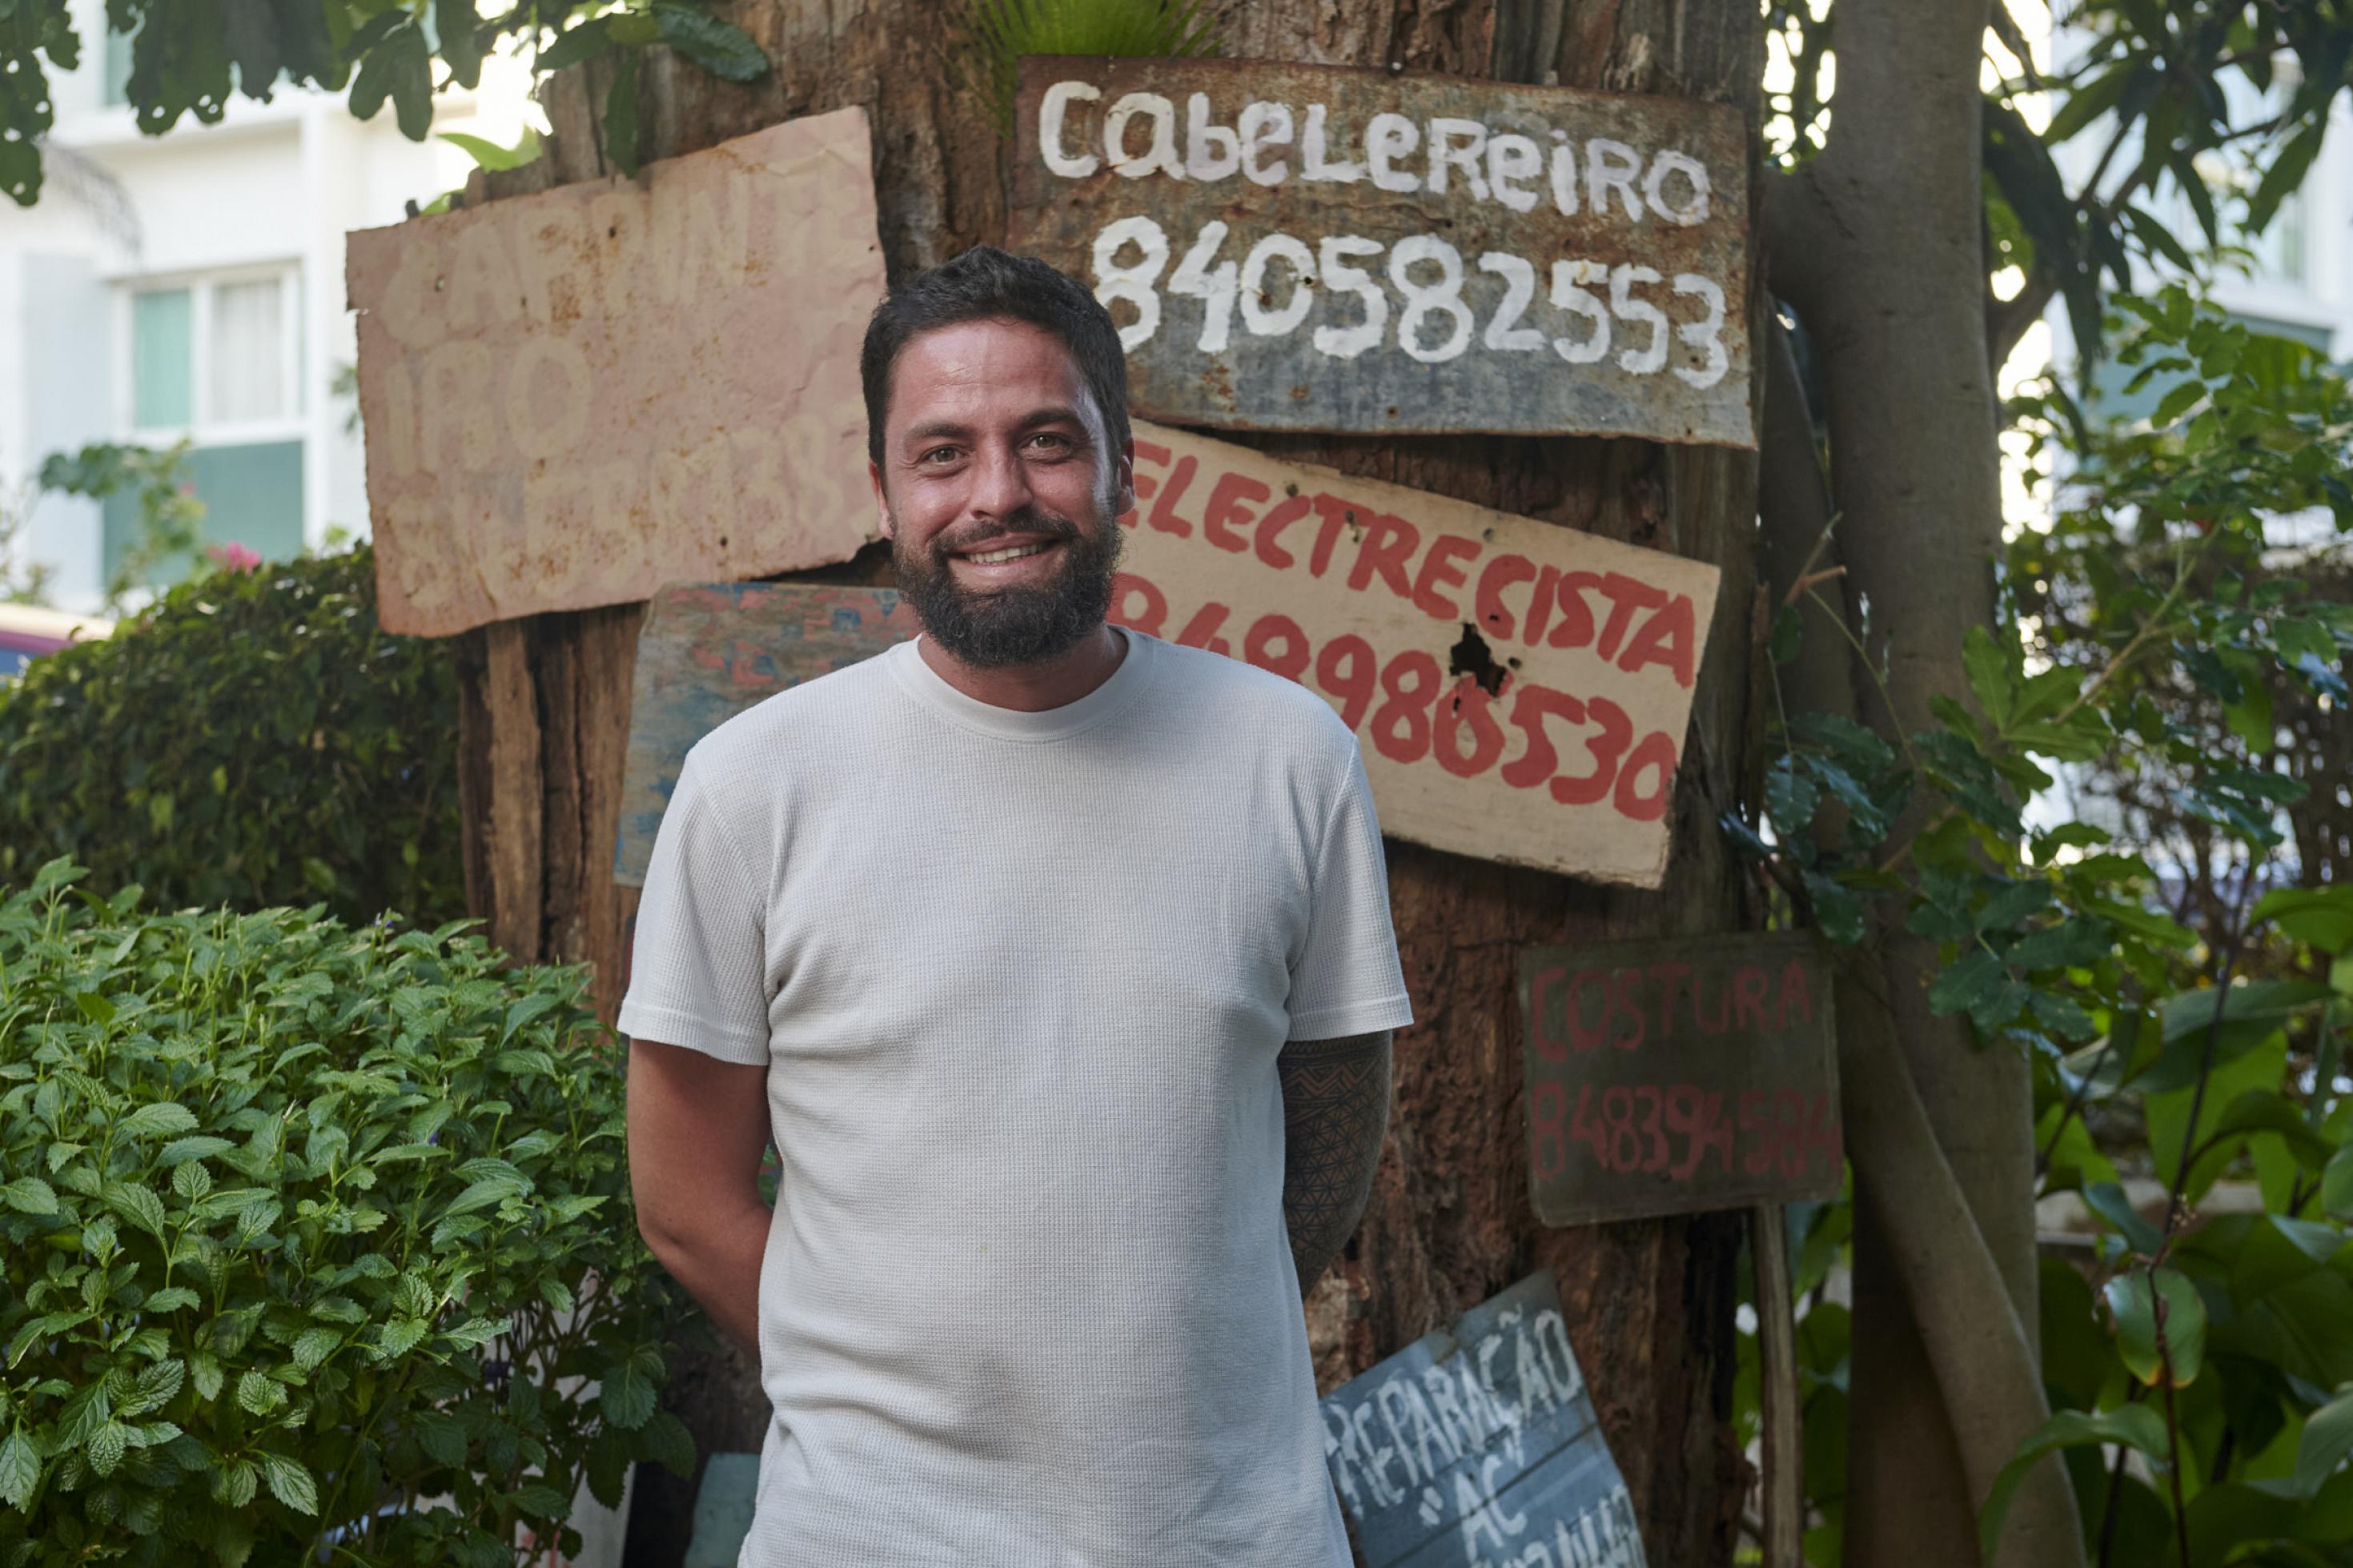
{"points": [[1051, 441], [938, 455]]}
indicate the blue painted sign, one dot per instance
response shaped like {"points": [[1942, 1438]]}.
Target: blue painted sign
{"points": [[708, 651], [1479, 1449]]}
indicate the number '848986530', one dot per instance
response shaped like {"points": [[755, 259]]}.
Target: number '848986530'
{"points": [[1602, 313]]}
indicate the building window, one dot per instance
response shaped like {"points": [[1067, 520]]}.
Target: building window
{"points": [[215, 361]]}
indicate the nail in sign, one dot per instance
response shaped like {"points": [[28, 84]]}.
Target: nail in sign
{"points": [[1311, 248], [1680, 1076]]}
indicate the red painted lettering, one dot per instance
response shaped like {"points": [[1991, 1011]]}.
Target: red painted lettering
{"points": [[1540, 607], [1797, 994], [1654, 756], [1748, 987], [1552, 1046], [1617, 730], [1581, 1037], [1157, 456], [1224, 508], [1488, 601], [1388, 543], [1670, 978], [1164, 510], [1439, 569], [1626, 596], [1668, 637], [1575, 629], [1723, 1011], [1271, 527], [1201, 631], [1626, 997], [1530, 709], [1336, 514]]}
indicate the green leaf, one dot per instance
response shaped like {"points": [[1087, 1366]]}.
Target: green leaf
{"points": [[489, 154], [2337, 1183], [259, 1393], [2133, 1426], [458, 26], [204, 1372], [1973, 979], [2108, 1200], [443, 1435], [20, 1470], [581, 43], [2132, 1303], [30, 1194], [161, 1120], [621, 142], [400, 1336], [725, 51], [137, 1203], [489, 1190], [2288, 167], [180, 1151], [1992, 673], [313, 1346], [2327, 1439], [2321, 917], [107, 1446], [627, 1398], [94, 1007], [289, 1482]]}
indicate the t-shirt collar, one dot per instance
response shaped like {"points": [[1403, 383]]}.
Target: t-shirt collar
{"points": [[926, 686]]}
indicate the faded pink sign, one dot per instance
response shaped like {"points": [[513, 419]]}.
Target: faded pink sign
{"points": [[574, 397]]}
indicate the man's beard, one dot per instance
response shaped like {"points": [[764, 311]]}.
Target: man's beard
{"points": [[999, 627]]}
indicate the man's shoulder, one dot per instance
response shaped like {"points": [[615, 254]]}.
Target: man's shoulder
{"points": [[1246, 700], [811, 719]]}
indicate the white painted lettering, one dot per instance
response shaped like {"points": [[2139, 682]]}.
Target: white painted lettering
{"points": [[1695, 173], [1052, 111], [1510, 159], [1314, 164], [1457, 144], [1211, 151], [1160, 156], [1611, 166], [1264, 125], [1389, 138], [546, 415]]}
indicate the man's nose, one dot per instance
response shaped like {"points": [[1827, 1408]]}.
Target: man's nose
{"points": [[1000, 484]]}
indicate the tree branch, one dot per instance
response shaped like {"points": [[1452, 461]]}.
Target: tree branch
{"points": [[1796, 230]]}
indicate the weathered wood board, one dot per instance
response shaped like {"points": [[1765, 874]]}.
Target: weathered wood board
{"points": [[710, 650], [1312, 247], [1521, 691], [1479, 1449], [572, 397], [1677, 1076]]}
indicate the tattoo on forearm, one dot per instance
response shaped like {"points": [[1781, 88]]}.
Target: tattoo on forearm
{"points": [[1335, 1107]]}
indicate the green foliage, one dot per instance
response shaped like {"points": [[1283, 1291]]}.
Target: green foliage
{"points": [[1004, 30], [2180, 977], [188, 56], [254, 738], [309, 1237], [171, 518]]}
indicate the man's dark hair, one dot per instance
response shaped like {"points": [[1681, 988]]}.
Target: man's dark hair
{"points": [[985, 284]]}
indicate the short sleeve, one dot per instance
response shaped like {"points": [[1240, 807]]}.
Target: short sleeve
{"points": [[698, 969], [1346, 980]]}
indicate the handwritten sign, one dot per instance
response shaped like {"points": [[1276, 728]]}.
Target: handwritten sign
{"points": [[1479, 1448], [706, 652], [1520, 690], [573, 395], [1311, 248], [1671, 1077]]}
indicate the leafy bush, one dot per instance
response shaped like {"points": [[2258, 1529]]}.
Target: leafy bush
{"points": [[308, 1235], [255, 739]]}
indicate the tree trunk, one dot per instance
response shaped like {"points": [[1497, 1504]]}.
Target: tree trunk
{"points": [[1878, 242], [1650, 1305]]}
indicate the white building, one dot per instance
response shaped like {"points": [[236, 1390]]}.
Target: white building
{"points": [[191, 286]]}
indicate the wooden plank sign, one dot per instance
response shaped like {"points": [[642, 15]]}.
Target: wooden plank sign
{"points": [[1312, 247], [1520, 690], [1676, 1076], [708, 651], [573, 395], [1479, 1449]]}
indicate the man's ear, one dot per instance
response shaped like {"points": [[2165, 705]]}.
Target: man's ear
{"points": [[1123, 479], [881, 503]]}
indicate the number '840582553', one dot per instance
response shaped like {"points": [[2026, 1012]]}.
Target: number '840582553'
{"points": [[1606, 313]]}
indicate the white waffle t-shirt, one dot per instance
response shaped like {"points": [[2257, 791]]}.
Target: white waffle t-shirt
{"points": [[1019, 981]]}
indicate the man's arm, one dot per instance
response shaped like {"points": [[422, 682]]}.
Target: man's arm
{"points": [[698, 1127], [1335, 1107]]}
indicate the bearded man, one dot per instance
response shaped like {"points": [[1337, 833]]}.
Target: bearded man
{"points": [[1056, 963]]}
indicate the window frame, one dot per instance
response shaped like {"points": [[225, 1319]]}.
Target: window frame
{"points": [[202, 429]]}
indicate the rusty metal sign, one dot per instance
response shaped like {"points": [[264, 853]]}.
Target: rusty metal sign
{"points": [[572, 397], [708, 651], [1520, 690], [1479, 1447], [1314, 247], [1679, 1076]]}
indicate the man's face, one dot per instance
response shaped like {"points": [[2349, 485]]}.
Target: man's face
{"points": [[1000, 492]]}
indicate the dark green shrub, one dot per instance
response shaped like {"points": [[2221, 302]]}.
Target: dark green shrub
{"points": [[255, 739], [308, 1235]]}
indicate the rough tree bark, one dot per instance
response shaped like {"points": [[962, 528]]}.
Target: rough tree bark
{"points": [[1877, 244], [1649, 1304]]}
